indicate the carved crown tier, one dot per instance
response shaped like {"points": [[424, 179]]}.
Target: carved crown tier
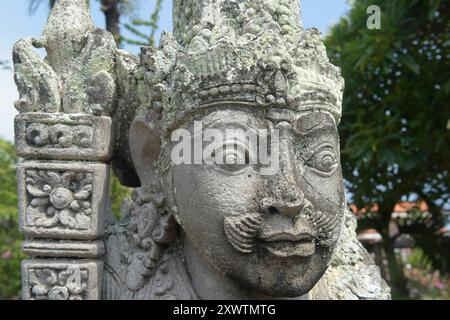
{"points": [[254, 53]]}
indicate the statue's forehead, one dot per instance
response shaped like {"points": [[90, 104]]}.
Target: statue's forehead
{"points": [[303, 121]]}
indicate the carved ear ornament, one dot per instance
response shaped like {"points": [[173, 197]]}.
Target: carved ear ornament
{"points": [[152, 228]]}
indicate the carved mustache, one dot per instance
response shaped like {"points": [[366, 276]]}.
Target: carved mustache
{"points": [[243, 231]]}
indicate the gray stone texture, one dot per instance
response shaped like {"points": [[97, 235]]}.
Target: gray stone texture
{"points": [[64, 249], [61, 280], [58, 136], [66, 136], [62, 200], [190, 231]]}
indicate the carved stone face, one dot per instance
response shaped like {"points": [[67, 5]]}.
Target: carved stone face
{"points": [[272, 233]]}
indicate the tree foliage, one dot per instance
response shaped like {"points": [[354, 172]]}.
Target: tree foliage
{"points": [[144, 38], [10, 239], [395, 129], [33, 5], [4, 65]]}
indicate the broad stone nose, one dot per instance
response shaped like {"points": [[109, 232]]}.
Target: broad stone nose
{"points": [[282, 193]]}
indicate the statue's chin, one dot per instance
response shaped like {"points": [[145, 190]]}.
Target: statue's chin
{"points": [[286, 290], [263, 274], [292, 283]]}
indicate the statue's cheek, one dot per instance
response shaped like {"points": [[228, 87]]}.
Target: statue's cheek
{"points": [[204, 197], [327, 193]]}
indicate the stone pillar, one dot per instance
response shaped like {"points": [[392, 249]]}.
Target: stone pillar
{"points": [[64, 139]]}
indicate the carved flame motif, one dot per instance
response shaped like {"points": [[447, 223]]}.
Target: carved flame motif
{"points": [[241, 231], [77, 75]]}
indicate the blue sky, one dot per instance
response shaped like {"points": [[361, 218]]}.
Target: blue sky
{"points": [[16, 23]]}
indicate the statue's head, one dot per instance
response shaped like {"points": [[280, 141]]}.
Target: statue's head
{"points": [[237, 141]]}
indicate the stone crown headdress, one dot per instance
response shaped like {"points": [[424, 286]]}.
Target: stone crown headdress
{"points": [[235, 52]]}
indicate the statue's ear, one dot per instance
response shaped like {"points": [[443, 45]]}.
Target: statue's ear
{"points": [[145, 147]]}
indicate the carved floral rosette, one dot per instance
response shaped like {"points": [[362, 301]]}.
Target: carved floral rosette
{"points": [[62, 200]]}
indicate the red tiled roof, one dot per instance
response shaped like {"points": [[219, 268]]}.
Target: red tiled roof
{"points": [[399, 207]]}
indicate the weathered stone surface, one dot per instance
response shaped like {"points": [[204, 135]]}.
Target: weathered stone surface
{"points": [[78, 74], [65, 34], [62, 200], [59, 136], [252, 53], [38, 84], [65, 101], [352, 274], [239, 64], [90, 85], [128, 103], [204, 231], [63, 249], [61, 280]]}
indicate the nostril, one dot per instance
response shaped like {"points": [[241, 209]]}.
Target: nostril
{"points": [[273, 210]]}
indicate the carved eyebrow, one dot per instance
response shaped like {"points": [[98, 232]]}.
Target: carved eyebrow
{"points": [[294, 119], [315, 128], [281, 115], [228, 124], [244, 122], [309, 152], [215, 120]]}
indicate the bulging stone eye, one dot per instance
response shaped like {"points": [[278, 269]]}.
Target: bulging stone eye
{"points": [[324, 161], [232, 157], [231, 161]]}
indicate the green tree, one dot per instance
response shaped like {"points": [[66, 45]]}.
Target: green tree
{"points": [[117, 195], [10, 239], [33, 5], [4, 65], [145, 38], [395, 132]]}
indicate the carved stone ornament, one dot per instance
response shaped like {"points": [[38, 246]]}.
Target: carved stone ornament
{"points": [[221, 226], [64, 136], [63, 200], [62, 280]]}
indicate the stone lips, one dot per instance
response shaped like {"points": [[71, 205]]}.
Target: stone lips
{"points": [[224, 53], [63, 197]]}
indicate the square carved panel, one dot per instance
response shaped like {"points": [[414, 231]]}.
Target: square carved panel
{"points": [[59, 136], [65, 200], [61, 280]]}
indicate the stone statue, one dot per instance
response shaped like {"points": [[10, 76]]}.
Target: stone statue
{"points": [[221, 224]]}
